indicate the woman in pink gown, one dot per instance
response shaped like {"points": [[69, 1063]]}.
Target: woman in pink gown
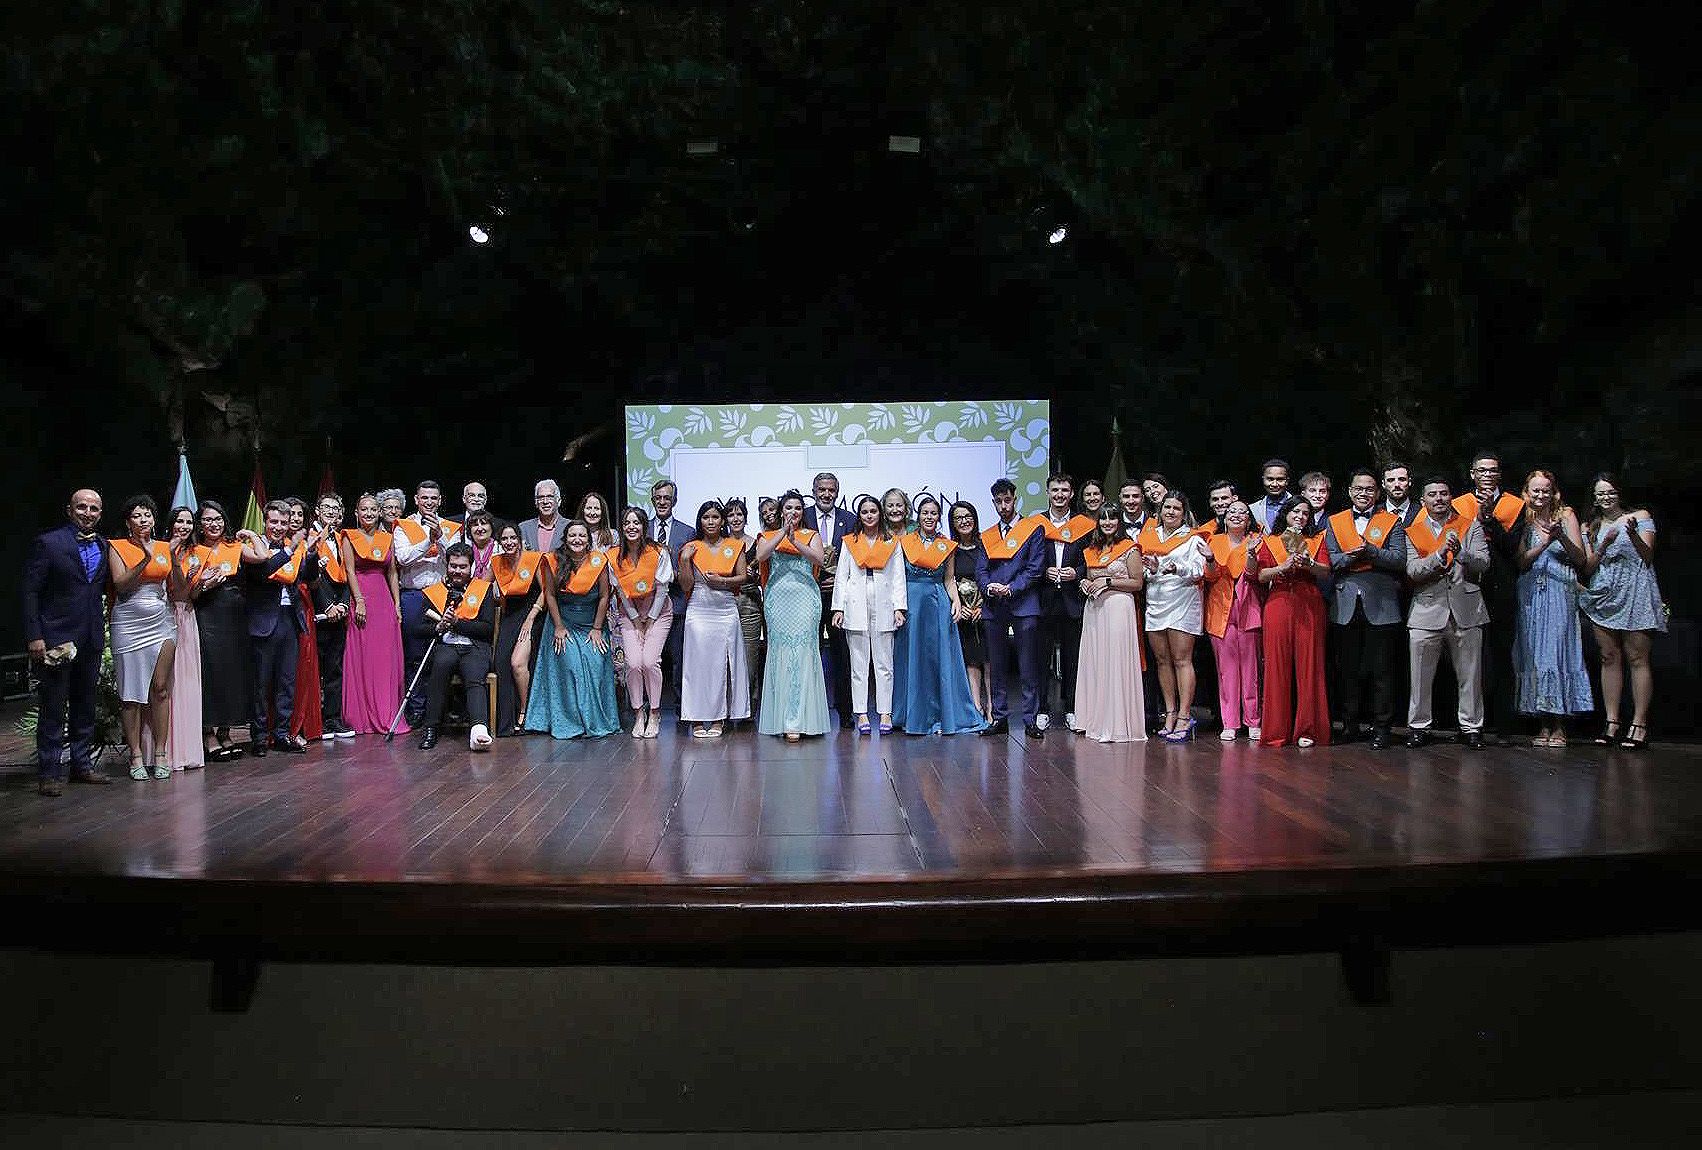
{"points": [[183, 739], [1110, 699], [372, 659]]}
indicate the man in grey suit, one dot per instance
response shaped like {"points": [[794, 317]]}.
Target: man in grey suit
{"points": [[673, 535], [1369, 558], [546, 497], [1445, 555], [1274, 476]]}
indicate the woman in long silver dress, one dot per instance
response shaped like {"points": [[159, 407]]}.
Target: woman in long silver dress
{"points": [[714, 688], [143, 633]]}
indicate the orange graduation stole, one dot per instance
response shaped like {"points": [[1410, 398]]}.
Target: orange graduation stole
{"points": [[870, 555], [226, 558], [330, 562], [925, 554], [159, 558], [1427, 542], [1347, 535], [1004, 546], [1279, 549], [1506, 512], [721, 558], [471, 599], [637, 579], [1076, 527], [785, 546], [515, 574], [1231, 555], [373, 550], [291, 570], [1151, 544], [414, 532], [584, 576], [1099, 558]]}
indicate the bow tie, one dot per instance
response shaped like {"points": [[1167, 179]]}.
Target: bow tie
{"points": [[89, 538]]}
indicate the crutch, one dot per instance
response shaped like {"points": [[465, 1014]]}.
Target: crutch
{"points": [[424, 659]]}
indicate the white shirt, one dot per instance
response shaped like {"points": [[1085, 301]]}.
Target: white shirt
{"points": [[421, 565]]}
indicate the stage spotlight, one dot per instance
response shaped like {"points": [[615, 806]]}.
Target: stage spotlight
{"points": [[478, 235], [1059, 235], [702, 147]]}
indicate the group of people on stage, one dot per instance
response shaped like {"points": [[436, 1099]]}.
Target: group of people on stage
{"points": [[319, 626]]}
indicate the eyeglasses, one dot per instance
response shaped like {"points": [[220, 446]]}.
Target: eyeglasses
{"points": [[1492, 470]]}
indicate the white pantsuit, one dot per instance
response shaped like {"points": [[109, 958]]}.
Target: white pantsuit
{"points": [[1447, 611], [869, 600]]}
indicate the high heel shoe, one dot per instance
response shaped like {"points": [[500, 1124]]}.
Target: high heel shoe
{"points": [[137, 770], [162, 767], [1609, 735], [1634, 742], [1182, 734], [863, 724]]}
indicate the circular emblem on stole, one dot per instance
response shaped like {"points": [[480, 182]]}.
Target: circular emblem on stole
{"points": [[525, 572], [726, 552], [642, 586], [1374, 534], [940, 545], [378, 554], [194, 562], [596, 560], [1067, 534], [471, 599], [225, 568]]}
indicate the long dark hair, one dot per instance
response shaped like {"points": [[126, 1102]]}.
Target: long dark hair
{"points": [[566, 565], [703, 509], [880, 511], [627, 555], [974, 535], [215, 505], [1097, 538]]}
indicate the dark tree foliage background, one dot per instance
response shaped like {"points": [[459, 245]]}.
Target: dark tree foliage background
{"points": [[1335, 231]]}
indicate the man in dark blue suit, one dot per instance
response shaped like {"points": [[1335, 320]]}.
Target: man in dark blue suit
{"points": [[63, 584], [834, 524], [1008, 569], [276, 621]]}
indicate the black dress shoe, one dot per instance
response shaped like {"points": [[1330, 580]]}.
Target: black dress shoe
{"points": [[257, 748], [428, 738], [997, 727], [288, 747], [1474, 740], [1034, 732], [93, 776], [52, 788], [1418, 739], [1380, 739]]}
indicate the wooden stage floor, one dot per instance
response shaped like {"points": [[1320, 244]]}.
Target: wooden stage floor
{"points": [[752, 850]]}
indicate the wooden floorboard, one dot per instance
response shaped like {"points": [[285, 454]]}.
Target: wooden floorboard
{"points": [[639, 843]]}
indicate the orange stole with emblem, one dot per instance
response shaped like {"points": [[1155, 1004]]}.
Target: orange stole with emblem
{"points": [[870, 555], [924, 553], [373, 550], [414, 532], [471, 600], [1099, 558], [1427, 542], [226, 557], [585, 576], [1072, 530], [1003, 547], [330, 562], [515, 574], [1151, 544], [636, 579], [291, 570], [1376, 533], [1279, 549], [1506, 512], [720, 559], [785, 546], [159, 558]]}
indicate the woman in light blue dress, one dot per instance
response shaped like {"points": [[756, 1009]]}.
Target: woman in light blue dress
{"points": [[794, 693], [1548, 645], [930, 684], [573, 681], [1622, 601]]}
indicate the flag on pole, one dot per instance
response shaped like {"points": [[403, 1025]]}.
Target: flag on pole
{"points": [[327, 481], [254, 519], [1116, 474], [184, 496]]}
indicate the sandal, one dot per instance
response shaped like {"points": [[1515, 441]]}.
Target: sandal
{"points": [[1632, 742], [863, 727], [1609, 735], [793, 736], [715, 731], [162, 767], [1557, 740], [137, 770], [700, 732], [1541, 741]]}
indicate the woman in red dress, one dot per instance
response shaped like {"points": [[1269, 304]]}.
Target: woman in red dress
{"points": [[1291, 567]]}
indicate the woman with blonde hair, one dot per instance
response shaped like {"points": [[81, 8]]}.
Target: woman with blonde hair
{"points": [[1548, 646]]}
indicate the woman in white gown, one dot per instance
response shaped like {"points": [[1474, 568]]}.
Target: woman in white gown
{"points": [[1174, 556], [714, 686]]}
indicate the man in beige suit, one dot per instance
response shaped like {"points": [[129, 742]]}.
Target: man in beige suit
{"points": [[1446, 552]]}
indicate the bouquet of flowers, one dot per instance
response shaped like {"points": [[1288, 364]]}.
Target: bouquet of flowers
{"points": [[968, 594]]}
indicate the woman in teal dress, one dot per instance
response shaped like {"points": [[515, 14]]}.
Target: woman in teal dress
{"points": [[794, 694], [930, 685], [573, 682], [1548, 645]]}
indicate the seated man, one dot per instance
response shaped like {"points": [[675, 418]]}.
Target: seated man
{"points": [[461, 615]]}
